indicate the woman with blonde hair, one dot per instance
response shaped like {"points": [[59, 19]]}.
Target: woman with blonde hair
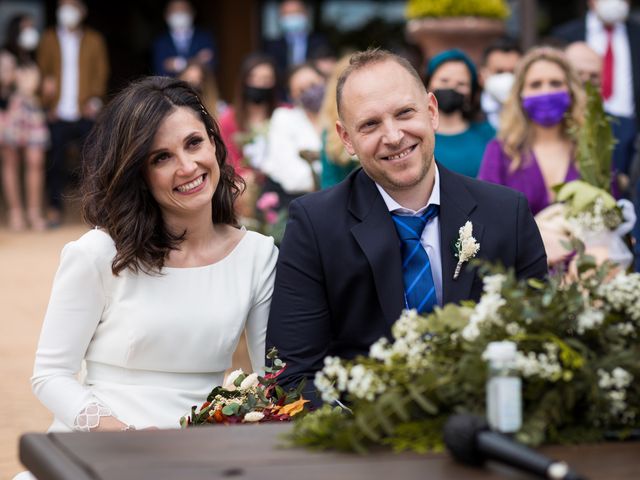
{"points": [[534, 149], [336, 162]]}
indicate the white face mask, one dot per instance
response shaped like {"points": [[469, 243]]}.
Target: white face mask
{"points": [[69, 16], [28, 38], [499, 85], [180, 21], [612, 11]]}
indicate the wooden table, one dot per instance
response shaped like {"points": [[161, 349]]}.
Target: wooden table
{"points": [[248, 452]]}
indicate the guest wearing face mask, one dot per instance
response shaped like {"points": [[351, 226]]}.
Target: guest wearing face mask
{"points": [[460, 138], [244, 127], [245, 124], [23, 128], [75, 68], [293, 141], [614, 36], [297, 44], [496, 77], [183, 44], [534, 150]]}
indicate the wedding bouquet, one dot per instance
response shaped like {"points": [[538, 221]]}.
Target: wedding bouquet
{"points": [[587, 211], [249, 398], [578, 348]]}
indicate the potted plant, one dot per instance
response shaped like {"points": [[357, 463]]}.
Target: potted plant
{"points": [[470, 25]]}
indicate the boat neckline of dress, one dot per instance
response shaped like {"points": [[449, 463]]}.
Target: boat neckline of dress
{"points": [[217, 262]]}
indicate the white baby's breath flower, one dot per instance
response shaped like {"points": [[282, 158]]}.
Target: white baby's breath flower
{"points": [[471, 332], [250, 381], [626, 329], [380, 350], [621, 378], [513, 329], [253, 417], [622, 293], [363, 383], [544, 365], [493, 283], [589, 319], [485, 312]]}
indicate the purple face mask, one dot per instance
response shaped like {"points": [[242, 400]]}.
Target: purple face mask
{"points": [[547, 109], [311, 98]]}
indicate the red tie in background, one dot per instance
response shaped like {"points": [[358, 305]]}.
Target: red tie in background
{"points": [[607, 66]]}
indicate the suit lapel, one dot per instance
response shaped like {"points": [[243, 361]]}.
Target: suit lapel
{"points": [[456, 205], [377, 238], [633, 33]]}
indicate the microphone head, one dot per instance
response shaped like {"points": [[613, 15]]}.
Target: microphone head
{"points": [[460, 434]]}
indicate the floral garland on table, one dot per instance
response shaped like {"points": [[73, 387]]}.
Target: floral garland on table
{"points": [[249, 398], [578, 350]]}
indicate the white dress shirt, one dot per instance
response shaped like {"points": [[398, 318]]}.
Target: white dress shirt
{"points": [[68, 108], [621, 101], [430, 238]]}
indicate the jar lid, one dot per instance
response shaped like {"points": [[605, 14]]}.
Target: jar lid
{"points": [[500, 351]]}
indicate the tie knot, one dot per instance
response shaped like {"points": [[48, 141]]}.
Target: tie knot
{"points": [[410, 228]]}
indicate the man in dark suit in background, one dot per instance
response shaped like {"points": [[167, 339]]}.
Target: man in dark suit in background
{"points": [[183, 44], [609, 31], [344, 272], [298, 43]]}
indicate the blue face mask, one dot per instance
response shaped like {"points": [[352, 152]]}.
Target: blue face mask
{"points": [[294, 23]]}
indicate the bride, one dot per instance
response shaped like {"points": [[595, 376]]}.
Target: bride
{"points": [[156, 297]]}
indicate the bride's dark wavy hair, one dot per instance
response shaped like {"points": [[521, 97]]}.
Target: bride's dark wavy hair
{"points": [[115, 194]]}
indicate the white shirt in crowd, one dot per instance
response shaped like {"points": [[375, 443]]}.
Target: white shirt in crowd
{"points": [[290, 132], [621, 102], [68, 108]]}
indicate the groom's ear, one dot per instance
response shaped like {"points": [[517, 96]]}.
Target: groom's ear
{"points": [[344, 136]]}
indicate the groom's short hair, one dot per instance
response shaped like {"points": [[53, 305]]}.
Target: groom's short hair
{"points": [[368, 57]]}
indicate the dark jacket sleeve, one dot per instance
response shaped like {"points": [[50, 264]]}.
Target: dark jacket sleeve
{"points": [[299, 322], [531, 257]]}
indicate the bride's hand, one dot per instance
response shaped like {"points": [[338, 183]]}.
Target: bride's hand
{"points": [[109, 424]]}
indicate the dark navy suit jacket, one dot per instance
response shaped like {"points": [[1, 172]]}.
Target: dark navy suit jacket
{"points": [[278, 50], [164, 48], [339, 284]]}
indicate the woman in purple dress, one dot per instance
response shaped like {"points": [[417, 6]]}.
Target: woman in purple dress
{"points": [[534, 150]]}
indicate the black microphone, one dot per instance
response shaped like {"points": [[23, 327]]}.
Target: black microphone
{"points": [[470, 441]]}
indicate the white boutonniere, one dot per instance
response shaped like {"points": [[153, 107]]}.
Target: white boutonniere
{"points": [[466, 246]]}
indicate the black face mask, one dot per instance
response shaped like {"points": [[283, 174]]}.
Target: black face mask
{"points": [[449, 100], [257, 95]]}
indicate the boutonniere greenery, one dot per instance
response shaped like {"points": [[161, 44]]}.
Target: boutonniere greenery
{"points": [[466, 247]]}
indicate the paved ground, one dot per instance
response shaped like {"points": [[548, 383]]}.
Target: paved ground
{"points": [[28, 262]]}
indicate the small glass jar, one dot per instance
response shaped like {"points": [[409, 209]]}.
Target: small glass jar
{"points": [[504, 388]]}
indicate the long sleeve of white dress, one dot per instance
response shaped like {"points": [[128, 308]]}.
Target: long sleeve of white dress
{"points": [[256, 326], [75, 308]]}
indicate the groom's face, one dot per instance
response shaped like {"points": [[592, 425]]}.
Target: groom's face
{"points": [[388, 120]]}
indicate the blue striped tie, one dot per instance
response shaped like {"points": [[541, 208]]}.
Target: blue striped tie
{"points": [[419, 289]]}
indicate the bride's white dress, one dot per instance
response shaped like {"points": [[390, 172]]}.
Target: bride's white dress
{"points": [[154, 345]]}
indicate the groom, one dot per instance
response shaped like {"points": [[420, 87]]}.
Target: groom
{"points": [[349, 262]]}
